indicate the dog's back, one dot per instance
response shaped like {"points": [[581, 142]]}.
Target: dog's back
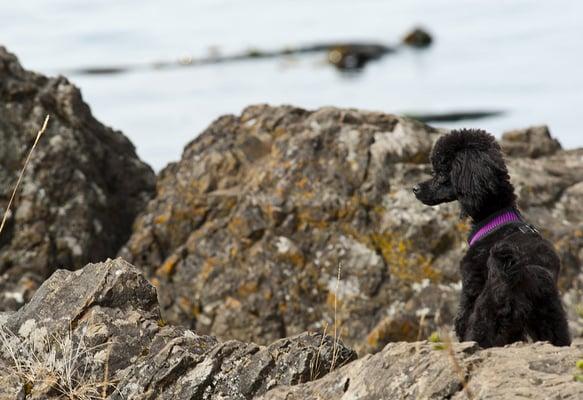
{"points": [[515, 295]]}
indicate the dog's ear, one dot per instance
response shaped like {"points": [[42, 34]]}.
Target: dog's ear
{"points": [[475, 177]]}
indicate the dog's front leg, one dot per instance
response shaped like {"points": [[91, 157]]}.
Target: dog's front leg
{"points": [[500, 312], [548, 320], [473, 281], [463, 314]]}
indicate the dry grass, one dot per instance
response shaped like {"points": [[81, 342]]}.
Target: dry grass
{"points": [[335, 348], [456, 365], [38, 136], [315, 364], [106, 385], [44, 363]]}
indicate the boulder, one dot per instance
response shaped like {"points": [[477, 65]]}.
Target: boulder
{"points": [[533, 142], [425, 370], [82, 189], [282, 220], [248, 232], [98, 332]]}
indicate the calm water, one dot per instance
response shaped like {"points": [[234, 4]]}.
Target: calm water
{"points": [[523, 57]]}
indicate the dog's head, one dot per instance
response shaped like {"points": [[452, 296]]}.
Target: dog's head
{"points": [[468, 166]]}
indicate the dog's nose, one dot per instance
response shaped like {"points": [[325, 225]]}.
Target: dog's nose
{"points": [[416, 189]]}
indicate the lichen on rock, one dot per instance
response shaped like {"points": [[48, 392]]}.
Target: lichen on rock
{"points": [[104, 322], [424, 370], [81, 191], [247, 231]]}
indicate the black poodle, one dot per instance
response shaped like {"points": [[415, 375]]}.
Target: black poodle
{"points": [[509, 274]]}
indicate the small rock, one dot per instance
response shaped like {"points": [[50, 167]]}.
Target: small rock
{"points": [[418, 38], [354, 56]]}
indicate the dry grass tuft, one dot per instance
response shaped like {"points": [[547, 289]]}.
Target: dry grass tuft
{"points": [[456, 365], [315, 363], [38, 136], [45, 363], [336, 348]]}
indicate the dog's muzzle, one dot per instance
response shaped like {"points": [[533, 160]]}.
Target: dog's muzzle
{"points": [[432, 193]]}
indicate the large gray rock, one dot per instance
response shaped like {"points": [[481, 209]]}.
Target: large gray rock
{"points": [[247, 231], [422, 370], [103, 321], [534, 142], [82, 189]]}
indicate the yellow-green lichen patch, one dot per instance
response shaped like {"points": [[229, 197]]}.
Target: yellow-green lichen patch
{"points": [[248, 288], [208, 268], [186, 306], [390, 329], [161, 219], [404, 263], [434, 337], [167, 269]]}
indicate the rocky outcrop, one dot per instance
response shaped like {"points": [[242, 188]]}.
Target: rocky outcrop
{"points": [[249, 229], [98, 331], [432, 371], [82, 189], [248, 233], [532, 142]]}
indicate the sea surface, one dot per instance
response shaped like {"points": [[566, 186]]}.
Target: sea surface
{"points": [[523, 57]]}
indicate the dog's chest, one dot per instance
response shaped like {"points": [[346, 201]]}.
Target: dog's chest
{"points": [[475, 262]]}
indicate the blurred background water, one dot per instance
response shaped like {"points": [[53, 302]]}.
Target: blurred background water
{"points": [[523, 57]]}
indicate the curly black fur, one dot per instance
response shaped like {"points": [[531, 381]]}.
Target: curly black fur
{"points": [[509, 277]]}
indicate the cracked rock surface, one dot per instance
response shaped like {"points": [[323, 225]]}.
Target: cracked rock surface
{"points": [[104, 322], [247, 232], [81, 191], [425, 370]]}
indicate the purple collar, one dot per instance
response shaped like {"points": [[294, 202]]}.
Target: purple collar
{"points": [[492, 223]]}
